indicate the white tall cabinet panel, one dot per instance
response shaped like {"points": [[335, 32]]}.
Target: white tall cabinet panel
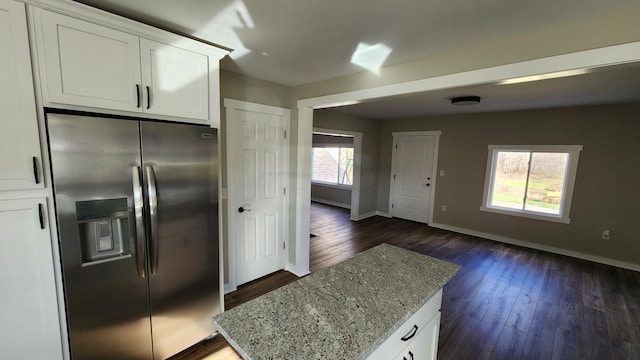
{"points": [[20, 159], [30, 327], [176, 81], [89, 65]]}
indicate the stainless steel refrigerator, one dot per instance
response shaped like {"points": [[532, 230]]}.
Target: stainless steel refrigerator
{"points": [[137, 210]]}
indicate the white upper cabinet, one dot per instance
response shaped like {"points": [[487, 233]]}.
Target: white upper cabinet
{"points": [[176, 81], [20, 158], [89, 65]]}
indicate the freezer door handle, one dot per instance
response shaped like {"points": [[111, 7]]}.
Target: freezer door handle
{"points": [[153, 217], [137, 211]]}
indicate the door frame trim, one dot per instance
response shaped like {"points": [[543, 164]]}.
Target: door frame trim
{"points": [[231, 264], [434, 167]]}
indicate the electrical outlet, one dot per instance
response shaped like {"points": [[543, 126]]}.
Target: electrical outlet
{"points": [[444, 207], [606, 234]]}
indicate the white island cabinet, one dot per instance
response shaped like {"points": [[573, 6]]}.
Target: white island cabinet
{"points": [[416, 338], [90, 65], [382, 304]]}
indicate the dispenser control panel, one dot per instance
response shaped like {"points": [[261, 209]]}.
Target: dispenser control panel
{"points": [[104, 229]]}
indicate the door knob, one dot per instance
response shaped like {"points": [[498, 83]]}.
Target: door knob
{"points": [[241, 209]]}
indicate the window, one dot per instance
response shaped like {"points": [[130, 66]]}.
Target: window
{"points": [[332, 165], [531, 181]]}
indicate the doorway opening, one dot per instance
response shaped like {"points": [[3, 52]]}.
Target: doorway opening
{"points": [[335, 168]]}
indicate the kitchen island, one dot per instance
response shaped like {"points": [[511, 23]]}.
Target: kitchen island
{"points": [[352, 310]]}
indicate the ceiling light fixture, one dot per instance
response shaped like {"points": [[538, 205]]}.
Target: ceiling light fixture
{"points": [[465, 100], [553, 75]]}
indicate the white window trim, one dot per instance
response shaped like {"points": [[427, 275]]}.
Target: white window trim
{"points": [[332, 185], [565, 206], [329, 183], [332, 145]]}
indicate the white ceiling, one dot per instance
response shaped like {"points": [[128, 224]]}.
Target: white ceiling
{"points": [[294, 42]]}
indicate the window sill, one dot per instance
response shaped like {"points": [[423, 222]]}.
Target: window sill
{"points": [[330, 185], [527, 215]]}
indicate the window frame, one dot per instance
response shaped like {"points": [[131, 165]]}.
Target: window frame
{"points": [[327, 183], [568, 187]]}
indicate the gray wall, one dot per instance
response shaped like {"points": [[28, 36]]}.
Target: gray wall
{"points": [[327, 119], [331, 195], [606, 190]]}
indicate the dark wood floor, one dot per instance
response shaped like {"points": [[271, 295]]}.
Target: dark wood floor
{"points": [[507, 302]]}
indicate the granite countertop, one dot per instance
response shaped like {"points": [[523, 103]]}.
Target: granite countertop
{"points": [[343, 312]]}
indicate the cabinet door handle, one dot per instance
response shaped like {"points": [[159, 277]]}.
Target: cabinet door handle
{"points": [[410, 355], [138, 95], [36, 176], [41, 216], [411, 334], [148, 98]]}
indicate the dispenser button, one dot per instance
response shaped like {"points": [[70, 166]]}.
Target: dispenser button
{"points": [[105, 240]]}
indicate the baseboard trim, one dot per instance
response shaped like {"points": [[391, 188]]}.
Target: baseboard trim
{"points": [[332, 203], [372, 214], [298, 274], [365, 216], [551, 249], [228, 288]]}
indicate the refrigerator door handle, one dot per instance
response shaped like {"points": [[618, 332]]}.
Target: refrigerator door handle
{"points": [[153, 215], [137, 210]]}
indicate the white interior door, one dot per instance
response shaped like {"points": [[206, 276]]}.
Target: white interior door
{"points": [[258, 177], [412, 178]]}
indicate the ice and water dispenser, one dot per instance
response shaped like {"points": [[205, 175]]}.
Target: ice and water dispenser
{"points": [[104, 230]]}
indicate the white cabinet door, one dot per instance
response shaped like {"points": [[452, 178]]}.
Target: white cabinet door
{"points": [[30, 327], [417, 338], [176, 81], [425, 344], [19, 142], [88, 65]]}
